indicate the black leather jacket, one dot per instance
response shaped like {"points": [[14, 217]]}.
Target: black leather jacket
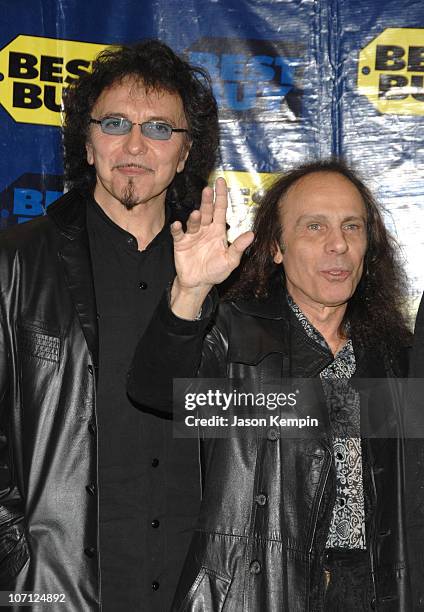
{"points": [[48, 344], [267, 500], [48, 442]]}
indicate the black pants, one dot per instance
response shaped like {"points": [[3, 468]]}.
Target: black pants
{"points": [[348, 581]]}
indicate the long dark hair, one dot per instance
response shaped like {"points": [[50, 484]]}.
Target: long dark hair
{"points": [[158, 68], [376, 311]]}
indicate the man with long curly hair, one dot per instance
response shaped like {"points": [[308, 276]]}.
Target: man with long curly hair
{"points": [[292, 522], [99, 500]]}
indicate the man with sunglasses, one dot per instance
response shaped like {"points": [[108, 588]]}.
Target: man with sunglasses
{"points": [[98, 500]]}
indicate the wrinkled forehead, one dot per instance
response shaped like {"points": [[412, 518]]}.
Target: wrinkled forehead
{"points": [[328, 194], [136, 83], [132, 87]]}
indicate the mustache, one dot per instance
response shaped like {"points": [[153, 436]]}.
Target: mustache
{"points": [[131, 165]]}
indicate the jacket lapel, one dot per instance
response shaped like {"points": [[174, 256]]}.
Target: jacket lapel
{"points": [[69, 214]]}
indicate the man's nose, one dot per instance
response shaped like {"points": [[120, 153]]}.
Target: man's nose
{"points": [[336, 241], [135, 141]]}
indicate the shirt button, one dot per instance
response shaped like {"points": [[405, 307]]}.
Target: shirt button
{"points": [[255, 567], [130, 240], [155, 523], [272, 434], [142, 285], [90, 551], [155, 462], [261, 499], [155, 585], [91, 488]]}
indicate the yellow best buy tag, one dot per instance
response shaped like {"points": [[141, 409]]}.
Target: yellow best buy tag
{"points": [[391, 71], [33, 72]]}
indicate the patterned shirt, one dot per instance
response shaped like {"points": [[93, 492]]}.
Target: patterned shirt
{"points": [[347, 527]]}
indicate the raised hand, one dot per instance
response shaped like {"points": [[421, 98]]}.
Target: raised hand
{"points": [[203, 257]]}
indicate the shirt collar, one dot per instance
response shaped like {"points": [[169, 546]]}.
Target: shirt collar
{"points": [[343, 364], [103, 222]]}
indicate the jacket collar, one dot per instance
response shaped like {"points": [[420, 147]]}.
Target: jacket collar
{"points": [[305, 356], [276, 307], [69, 215]]}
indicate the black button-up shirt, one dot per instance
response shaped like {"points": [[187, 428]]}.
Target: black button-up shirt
{"points": [[148, 482]]}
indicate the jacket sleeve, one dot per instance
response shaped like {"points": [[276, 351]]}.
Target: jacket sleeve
{"points": [[4, 412], [3, 368], [174, 348], [416, 369], [414, 463], [13, 546]]}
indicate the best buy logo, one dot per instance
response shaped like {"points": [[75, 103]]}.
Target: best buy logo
{"points": [[34, 71], [391, 71]]}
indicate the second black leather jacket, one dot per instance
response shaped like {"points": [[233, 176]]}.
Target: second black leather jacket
{"points": [[267, 500]]}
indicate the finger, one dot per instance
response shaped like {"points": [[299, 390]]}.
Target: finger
{"points": [[193, 222], [177, 231], [237, 248], [221, 201], [206, 206]]}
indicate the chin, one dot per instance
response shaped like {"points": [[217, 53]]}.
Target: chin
{"points": [[128, 205], [336, 296], [130, 199], [337, 300]]}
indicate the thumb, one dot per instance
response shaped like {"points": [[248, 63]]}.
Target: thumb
{"points": [[237, 248]]}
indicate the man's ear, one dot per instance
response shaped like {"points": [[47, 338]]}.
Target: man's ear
{"points": [[185, 151], [277, 253], [90, 156]]}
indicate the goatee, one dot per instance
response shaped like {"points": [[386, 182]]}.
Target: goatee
{"points": [[128, 198]]}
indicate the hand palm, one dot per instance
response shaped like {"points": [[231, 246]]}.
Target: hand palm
{"points": [[202, 254]]}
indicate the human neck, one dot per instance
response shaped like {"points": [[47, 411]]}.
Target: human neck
{"points": [[326, 319], [144, 221]]}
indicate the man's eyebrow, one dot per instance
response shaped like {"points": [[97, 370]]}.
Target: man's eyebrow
{"points": [[161, 118], [322, 217], [114, 114], [312, 216], [354, 218]]}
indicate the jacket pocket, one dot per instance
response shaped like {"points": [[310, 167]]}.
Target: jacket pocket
{"points": [[207, 593], [38, 344]]}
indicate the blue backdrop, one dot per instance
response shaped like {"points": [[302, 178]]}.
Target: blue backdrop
{"points": [[295, 79]]}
